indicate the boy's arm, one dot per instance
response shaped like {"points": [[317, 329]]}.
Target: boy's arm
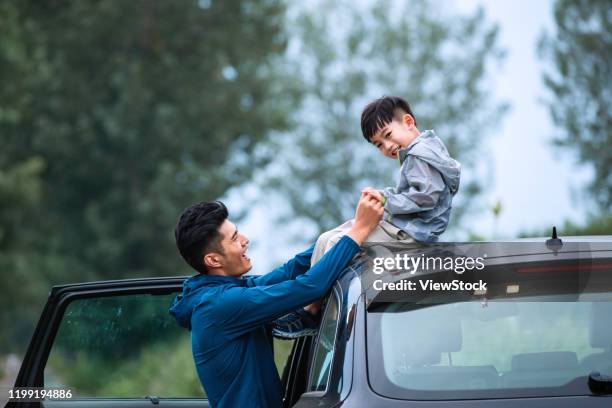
{"points": [[425, 185], [296, 266], [244, 308]]}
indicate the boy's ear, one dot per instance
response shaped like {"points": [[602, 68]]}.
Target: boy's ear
{"points": [[408, 120], [211, 260]]}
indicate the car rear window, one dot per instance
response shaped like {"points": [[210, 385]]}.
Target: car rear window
{"points": [[469, 346]]}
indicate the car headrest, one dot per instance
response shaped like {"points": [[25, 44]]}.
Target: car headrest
{"points": [[600, 326], [448, 337], [431, 338], [548, 361], [439, 335]]}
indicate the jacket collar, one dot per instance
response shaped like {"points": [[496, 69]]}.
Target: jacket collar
{"points": [[403, 153], [203, 279]]}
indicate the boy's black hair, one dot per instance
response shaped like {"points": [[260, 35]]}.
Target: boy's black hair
{"points": [[197, 232], [379, 113]]}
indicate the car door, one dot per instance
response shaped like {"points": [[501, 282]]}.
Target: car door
{"points": [[112, 344], [307, 382]]}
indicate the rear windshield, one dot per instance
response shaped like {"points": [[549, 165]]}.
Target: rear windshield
{"points": [[471, 346]]}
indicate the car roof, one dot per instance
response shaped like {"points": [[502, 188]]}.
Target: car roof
{"points": [[571, 238], [522, 250]]}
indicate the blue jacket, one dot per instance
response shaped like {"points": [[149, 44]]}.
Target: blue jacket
{"points": [[226, 316], [429, 178]]}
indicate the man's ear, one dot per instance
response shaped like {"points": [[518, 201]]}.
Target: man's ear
{"points": [[408, 120], [211, 260]]}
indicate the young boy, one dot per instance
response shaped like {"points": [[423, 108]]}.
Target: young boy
{"points": [[417, 209]]}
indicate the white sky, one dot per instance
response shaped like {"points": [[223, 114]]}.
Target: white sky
{"points": [[533, 180]]}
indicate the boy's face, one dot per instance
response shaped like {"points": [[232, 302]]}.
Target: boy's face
{"points": [[395, 135]]}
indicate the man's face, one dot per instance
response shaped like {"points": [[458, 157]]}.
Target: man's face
{"points": [[234, 260], [395, 135]]}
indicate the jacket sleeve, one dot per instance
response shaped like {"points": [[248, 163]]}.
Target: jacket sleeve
{"points": [[424, 185], [296, 266], [243, 308]]}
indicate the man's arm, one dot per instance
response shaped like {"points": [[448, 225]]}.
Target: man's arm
{"points": [[296, 266], [425, 185], [243, 308]]}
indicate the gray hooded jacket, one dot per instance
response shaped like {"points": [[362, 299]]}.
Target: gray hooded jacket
{"points": [[429, 178]]}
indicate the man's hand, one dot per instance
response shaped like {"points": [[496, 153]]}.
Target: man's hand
{"points": [[368, 214], [373, 192]]}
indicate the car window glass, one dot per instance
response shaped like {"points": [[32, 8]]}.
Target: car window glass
{"points": [[324, 347], [122, 346], [538, 330], [497, 346]]}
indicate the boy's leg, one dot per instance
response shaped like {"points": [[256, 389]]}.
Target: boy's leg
{"points": [[325, 242], [304, 322], [327, 239], [331, 238], [387, 232]]}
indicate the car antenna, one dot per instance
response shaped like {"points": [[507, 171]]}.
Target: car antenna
{"points": [[554, 243]]}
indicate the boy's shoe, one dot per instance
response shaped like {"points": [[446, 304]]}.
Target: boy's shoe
{"points": [[296, 324]]}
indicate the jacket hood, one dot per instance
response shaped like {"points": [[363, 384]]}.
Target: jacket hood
{"points": [[193, 289], [429, 148]]}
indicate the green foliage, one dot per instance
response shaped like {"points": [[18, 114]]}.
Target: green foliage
{"points": [[20, 193], [123, 346], [113, 117], [282, 349], [352, 53], [116, 327], [580, 87], [127, 346], [162, 369]]}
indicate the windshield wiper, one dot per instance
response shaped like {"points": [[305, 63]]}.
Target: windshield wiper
{"points": [[600, 384]]}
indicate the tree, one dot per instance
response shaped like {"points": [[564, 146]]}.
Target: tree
{"points": [[133, 110], [594, 225], [580, 88], [350, 54]]}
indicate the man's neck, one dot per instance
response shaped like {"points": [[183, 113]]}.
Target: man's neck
{"points": [[222, 272], [217, 272]]}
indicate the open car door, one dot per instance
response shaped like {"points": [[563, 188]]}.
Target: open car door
{"points": [[112, 344]]}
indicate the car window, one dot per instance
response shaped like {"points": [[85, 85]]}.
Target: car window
{"points": [[324, 347], [510, 346], [122, 346]]}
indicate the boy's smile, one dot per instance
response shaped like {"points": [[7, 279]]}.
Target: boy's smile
{"points": [[395, 135]]}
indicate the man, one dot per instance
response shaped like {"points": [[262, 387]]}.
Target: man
{"points": [[227, 313]]}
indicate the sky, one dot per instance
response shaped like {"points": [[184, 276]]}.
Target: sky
{"points": [[537, 184]]}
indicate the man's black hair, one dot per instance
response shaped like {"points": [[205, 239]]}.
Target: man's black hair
{"points": [[197, 232], [377, 114]]}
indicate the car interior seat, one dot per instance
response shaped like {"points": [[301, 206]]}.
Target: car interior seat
{"points": [[600, 336], [430, 365], [551, 368]]}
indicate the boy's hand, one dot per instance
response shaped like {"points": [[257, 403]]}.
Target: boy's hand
{"points": [[373, 192], [369, 212]]}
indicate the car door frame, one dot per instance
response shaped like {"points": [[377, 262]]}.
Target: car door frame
{"points": [[31, 373], [347, 291]]}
